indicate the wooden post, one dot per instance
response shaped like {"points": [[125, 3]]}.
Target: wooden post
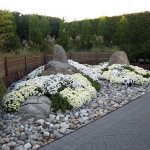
{"points": [[96, 58], [25, 63], [6, 66], [45, 59], [70, 55]]}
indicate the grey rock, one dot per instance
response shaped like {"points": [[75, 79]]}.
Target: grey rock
{"points": [[57, 134], [64, 125], [19, 148], [119, 57], [40, 138], [116, 105], [18, 134], [68, 131], [59, 54], [11, 144], [23, 136], [55, 67], [59, 63], [33, 143], [40, 121], [94, 105], [35, 147], [46, 134], [52, 117], [15, 139], [62, 130], [31, 120], [23, 133], [5, 147], [35, 107], [34, 136], [47, 123], [2, 141], [7, 140], [83, 111], [76, 114], [117, 100], [73, 126], [20, 142], [57, 118], [27, 146], [56, 126], [83, 120], [28, 133], [1, 124]]}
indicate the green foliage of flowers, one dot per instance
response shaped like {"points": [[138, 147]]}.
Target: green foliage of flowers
{"points": [[59, 102], [129, 68], [94, 83], [105, 69], [2, 90], [146, 76]]}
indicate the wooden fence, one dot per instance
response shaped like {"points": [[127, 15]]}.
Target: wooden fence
{"points": [[13, 69]]}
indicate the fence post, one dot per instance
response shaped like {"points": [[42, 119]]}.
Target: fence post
{"points": [[45, 59], [96, 58], [70, 55], [6, 66], [25, 61]]}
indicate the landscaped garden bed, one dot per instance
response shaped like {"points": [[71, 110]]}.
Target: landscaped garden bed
{"points": [[75, 100]]}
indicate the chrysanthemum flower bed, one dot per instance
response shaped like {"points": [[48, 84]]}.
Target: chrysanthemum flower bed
{"points": [[76, 88], [116, 73], [50, 85]]}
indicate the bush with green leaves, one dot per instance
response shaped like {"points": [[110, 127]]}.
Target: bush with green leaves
{"points": [[129, 68], [94, 83], [60, 103], [105, 69], [2, 90]]}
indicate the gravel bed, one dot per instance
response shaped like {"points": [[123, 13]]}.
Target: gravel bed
{"points": [[31, 134]]}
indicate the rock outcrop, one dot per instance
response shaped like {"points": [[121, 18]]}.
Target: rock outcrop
{"points": [[59, 63], [119, 57], [59, 54], [35, 107]]}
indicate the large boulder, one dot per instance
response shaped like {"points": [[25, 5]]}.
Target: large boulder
{"points": [[54, 67], [59, 64], [35, 107], [59, 54], [119, 57]]}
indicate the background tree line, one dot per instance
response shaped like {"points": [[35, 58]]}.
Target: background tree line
{"points": [[130, 33]]}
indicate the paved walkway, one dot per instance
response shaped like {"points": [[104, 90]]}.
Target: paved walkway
{"points": [[127, 128]]}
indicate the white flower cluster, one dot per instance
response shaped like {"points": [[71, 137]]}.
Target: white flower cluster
{"points": [[55, 82], [14, 99], [48, 85], [85, 69], [140, 70], [35, 72], [118, 73], [81, 93]]}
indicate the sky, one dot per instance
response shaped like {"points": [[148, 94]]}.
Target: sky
{"points": [[76, 9]]}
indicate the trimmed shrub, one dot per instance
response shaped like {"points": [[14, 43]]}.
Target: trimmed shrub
{"points": [[59, 102], [95, 84]]}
